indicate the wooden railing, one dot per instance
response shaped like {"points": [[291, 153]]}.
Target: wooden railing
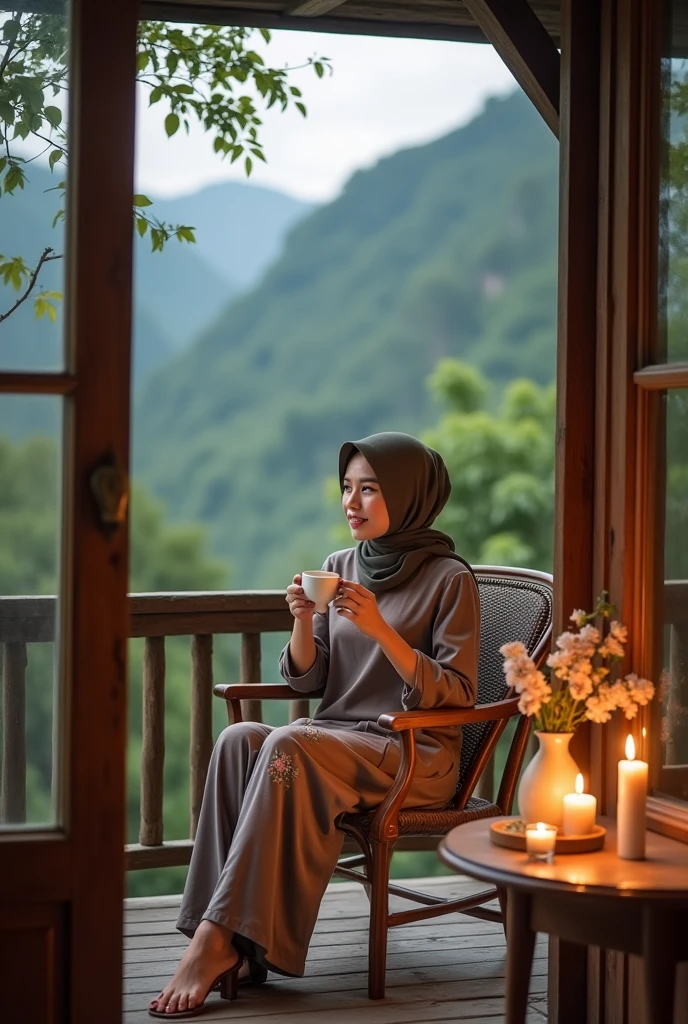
{"points": [[200, 616]]}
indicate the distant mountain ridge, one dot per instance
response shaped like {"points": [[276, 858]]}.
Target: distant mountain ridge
{"points": [[240, 228], [177, 293], [447, 249]]}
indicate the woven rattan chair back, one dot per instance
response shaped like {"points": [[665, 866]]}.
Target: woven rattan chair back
{"points": [[512, 607]]}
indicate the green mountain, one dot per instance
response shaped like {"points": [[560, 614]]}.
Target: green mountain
{"points": [[447, 249], [177, 293]]}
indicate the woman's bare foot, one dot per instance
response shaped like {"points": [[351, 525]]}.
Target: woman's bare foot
{"points": [[209, 954]]}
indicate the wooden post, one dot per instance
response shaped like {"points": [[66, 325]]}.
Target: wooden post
{"points": [[13, 794], [677, 726], [299, 709], [201, 742], [153, 747], [577, 372], [250, 672]]}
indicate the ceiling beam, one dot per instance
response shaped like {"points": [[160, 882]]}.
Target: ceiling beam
{"points": [[521, 40], [188, 12], [314, 8]]}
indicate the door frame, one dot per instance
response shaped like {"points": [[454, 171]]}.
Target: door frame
{"points": [[68, 884]]}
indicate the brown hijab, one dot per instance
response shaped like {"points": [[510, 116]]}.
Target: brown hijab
{"points": [[415, 485]]}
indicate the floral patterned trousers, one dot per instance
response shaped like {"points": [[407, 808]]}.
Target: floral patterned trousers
{"points": [[267, 842]]}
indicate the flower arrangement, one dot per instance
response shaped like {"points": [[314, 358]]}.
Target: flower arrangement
{"points": [[580, 673]]}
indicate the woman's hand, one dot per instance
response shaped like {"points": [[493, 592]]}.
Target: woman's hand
{"points": [[360, 606], [301, 608]]}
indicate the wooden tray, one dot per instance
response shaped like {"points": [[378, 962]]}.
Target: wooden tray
{"points": [[503, 833]]}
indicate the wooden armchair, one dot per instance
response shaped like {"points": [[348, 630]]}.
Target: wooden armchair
{"points": [[516, 604]]}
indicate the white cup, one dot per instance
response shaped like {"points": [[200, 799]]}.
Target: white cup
{"points": [[320, 587]]}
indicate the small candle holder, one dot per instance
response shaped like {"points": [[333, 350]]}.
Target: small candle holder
{"points": [[540, 842]]}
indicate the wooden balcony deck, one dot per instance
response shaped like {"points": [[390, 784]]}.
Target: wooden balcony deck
{"points": [[449, 969]]}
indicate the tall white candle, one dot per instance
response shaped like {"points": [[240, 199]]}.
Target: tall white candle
{"points": [[631, 805], [579, 811]]}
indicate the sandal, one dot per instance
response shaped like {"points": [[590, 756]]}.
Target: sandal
{"points": [[257, 975], [227, 983]]}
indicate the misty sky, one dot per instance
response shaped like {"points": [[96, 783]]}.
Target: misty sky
{"points": [[384, 94]]}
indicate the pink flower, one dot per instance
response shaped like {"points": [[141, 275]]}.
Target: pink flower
{"points": [[578, 617]]}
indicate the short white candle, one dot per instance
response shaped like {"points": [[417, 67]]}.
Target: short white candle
{"points": [[580, 810], [540, 840], [631, 805]]}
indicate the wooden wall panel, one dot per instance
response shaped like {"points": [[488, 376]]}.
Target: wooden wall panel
{"points": [[32, 966]]}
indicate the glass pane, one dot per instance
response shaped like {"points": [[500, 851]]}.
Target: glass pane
{"points": [[33, 154], [673, 775], [30, 496]]}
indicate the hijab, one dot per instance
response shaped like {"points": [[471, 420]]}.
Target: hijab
{"points": [[415, 485]]}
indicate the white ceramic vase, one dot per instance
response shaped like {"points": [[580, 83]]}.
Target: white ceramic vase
{"points": [[547, 779]]}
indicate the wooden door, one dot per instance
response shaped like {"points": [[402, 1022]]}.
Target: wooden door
{"points": [[61, 870]]}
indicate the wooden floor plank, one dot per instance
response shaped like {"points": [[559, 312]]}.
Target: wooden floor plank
{"points": [[449, 969]]}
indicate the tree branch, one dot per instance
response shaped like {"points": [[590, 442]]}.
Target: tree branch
{"points": [[45, 258]]}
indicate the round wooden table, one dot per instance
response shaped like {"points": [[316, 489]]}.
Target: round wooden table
{"points": [[594, 899]]}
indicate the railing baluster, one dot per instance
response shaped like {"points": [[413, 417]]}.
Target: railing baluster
{"points": [[153, 747], [250, 672], [13, 793], [299, 709], [201, 720]]}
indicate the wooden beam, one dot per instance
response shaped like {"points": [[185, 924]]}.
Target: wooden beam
{"points": [[577, 380], [314, 8], [523, 43], [211, 14]]}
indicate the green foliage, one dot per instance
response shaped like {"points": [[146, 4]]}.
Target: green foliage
{"points": [[443, 251], [202, 73], [501, 465]]}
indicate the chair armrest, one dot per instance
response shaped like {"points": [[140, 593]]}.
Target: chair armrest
{"points": [[400, 721], [261, 691]]}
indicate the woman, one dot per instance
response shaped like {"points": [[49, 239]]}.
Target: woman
{"points": [[402, 633]]}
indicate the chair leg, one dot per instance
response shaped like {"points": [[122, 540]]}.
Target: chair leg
{"points": [[379, 911]]}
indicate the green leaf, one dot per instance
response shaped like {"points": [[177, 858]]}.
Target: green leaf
{"points": [[54, 157], [58, 216], [6, 111], [140, 200], [248, 164], [14, 178], [301, 107], [171, 124], [142, 61], [155, 96], [54, 115], [10, 30], [319, 69], [172, 60], [185, 234], [141, 226]]}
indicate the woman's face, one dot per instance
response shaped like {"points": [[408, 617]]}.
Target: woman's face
{"points": [[362, 501]]}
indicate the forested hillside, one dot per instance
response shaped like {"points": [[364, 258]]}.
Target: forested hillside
{"points": [[447, 249]]}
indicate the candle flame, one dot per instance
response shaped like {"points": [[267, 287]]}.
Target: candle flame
{"points": [[630, 748], [579, 783], [541, 826]]}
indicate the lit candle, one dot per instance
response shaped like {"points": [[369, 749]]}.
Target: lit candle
{"points": [[579, 811], [630, 807], [540, 841]]}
